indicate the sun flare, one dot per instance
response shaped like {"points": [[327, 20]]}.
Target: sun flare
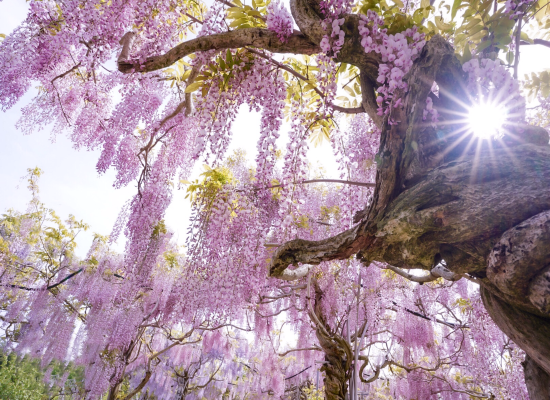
{"points": [[486, 120]]}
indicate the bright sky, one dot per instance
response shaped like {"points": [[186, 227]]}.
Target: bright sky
{"points": [[70, 183]]}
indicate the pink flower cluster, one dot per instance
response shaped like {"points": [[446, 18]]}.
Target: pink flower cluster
{"points": [[397, 51], [490, 82], [279, 20], [355, 150], [336, 40], [430, 110], [334, 12]]}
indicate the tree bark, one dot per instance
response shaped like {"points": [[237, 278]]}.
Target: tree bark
{"points": [[255, 37], [530, 332], [482, 206], [113, 391], [338, 355], [140, 386], [536, 380], [440, 193]]}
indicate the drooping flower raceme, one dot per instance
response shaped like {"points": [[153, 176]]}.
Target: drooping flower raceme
{"points": [[397, 51], [489, 82], [334, 12], [279, 20]]}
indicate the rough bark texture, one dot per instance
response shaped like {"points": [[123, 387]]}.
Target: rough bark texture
{"points": [[519, 263], [482, 206], [528, 331], [536, 379], [255, 37], [338, 354]]}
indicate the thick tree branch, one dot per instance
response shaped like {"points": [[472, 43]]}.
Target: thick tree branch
{"points": [[368, 102], [295, 274], [140, 386], [310, 252], [530, 332], [409, 150], [255, 37], [436, 273], [307, 20], [536, 379], [316, 348], [410, 277], [126, 42]]}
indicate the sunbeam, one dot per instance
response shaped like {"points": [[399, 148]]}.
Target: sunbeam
{"points": [[485, 120]]}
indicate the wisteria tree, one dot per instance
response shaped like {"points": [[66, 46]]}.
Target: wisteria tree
{"points": [[156, 86], [132, 333]]}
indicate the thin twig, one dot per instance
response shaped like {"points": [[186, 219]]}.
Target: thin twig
{"points": [[47, 287]]}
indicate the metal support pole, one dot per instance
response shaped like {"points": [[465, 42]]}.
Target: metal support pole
{"points": [[357, 341], [350, 391], [317, 384]]}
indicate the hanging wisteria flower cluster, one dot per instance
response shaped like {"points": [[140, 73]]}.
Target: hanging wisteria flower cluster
{"points": [[279, 20], [333, 12], [490, 82], [398, 53], [168, 319]]}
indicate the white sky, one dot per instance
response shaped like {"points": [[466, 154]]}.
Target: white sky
{"points": [[70, 183]]}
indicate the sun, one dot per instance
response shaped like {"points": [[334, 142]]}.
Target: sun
{"points": [[486, 120]]}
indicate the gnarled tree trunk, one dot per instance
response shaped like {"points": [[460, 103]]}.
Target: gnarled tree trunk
{"points": [[482, 206], [536, 379], [440, 194], [338, 354]]}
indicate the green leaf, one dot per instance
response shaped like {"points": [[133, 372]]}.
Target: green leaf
{"points": [[467, 56], [473, 22], [483, 45], [237, 14], [254, 13], [229, 58], [350, 91], [192, 87], [510, 57], [238, 22], [441, 24], [524, 36], [504, 40], [456, 5], [475, 30]]}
